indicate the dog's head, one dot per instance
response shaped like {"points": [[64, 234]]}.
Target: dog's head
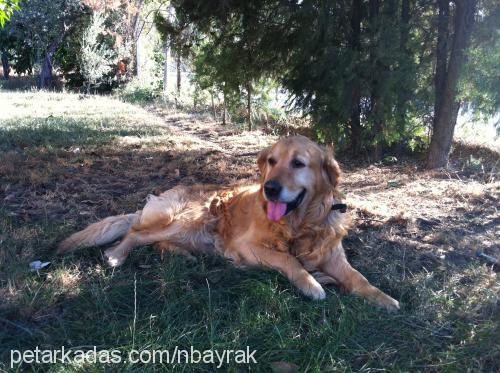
{"points": [[294, 172]]}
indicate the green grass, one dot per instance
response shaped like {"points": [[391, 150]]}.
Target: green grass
{"points": [[449, 320]]}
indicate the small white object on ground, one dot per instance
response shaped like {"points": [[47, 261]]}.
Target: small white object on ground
{"points": [[38, 265]]}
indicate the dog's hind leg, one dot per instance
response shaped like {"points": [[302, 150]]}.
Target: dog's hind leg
{"points": [[155, 223], [164, 246], [116, 255]]}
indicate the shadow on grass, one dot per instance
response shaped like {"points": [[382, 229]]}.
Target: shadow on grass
{"points": [[61, 133], [26, 83], [151, 303], [155, 303]]}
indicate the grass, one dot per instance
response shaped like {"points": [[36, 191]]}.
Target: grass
{"points": [[67, 160]]}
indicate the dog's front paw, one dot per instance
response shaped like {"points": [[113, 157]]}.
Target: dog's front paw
{"points": [[311, 288], [114, 259], [389, 303]]}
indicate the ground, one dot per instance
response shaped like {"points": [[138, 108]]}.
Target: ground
{"points": [[67, 160]]}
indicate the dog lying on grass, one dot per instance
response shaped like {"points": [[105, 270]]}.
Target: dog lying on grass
{"points": [[285, 222]]}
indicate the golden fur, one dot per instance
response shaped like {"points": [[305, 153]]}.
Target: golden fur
{"points": [[305, 245]]}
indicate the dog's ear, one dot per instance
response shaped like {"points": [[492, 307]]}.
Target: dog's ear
{"points": [[330, 167], [262, 160]]}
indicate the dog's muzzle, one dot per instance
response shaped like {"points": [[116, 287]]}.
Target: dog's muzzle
{"points": [[276, 209], [272, 189], [296, 202]]}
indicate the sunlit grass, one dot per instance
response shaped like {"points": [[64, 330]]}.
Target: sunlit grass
{"points": [[67, 160]]}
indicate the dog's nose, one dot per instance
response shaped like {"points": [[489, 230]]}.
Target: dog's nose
{"points": [[272, 189]]}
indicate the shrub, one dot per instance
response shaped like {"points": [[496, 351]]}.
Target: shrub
{"points": [[96, 57]]}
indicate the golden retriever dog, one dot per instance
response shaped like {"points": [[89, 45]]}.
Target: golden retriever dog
{"points": [[286, 222]]}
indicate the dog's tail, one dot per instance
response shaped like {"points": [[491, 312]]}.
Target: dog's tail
{"points": [[103, 232]]}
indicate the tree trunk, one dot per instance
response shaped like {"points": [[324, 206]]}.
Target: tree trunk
{"points": [[249, 106], [5, 65], [178, 74], [135, 30], [165, 68], [404, 93], [224, 108], [138, 58], [45, 79], [355, 43], [441, 52], [375, 97], [195, 98], [213, 105], [445, 113]]}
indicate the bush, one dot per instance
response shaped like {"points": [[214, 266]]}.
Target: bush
{"points": [[139, 92], [96, 57]]}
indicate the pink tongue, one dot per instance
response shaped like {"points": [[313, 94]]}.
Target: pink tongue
{"points": [[275, 210]]}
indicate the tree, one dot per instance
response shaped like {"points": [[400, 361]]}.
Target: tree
{"points": [[355, 45], [126, 19], [5, 65], [236, 41], [165, 67], [478, 86], [360, 70], [372, 76], [447, 76], [177, 35], [406, 66], [7, 8], [6, 44], [40, 28], [45, 33], [135, 26], [96, 57]]}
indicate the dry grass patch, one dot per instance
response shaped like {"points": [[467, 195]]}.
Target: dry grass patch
{"points": [[68, 160]]}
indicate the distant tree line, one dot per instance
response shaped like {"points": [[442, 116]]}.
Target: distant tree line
{"points": [[372, 75], [86, 39]]}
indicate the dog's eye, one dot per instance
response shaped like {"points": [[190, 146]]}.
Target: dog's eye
{"points": [[271, 161], [297, 164]]}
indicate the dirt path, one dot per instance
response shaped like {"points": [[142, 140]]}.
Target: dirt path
{"points": [[211, 136]]}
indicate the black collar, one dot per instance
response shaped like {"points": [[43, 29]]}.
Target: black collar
{"points": [[342, 207]]}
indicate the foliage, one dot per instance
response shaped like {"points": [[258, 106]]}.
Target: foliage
{"points": [[176, 31], [96, 57], [383, 73], [38, 25], [7, 8], [362, 71], [479, 85], [139, 92], [229, 56], [54, 29]]}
